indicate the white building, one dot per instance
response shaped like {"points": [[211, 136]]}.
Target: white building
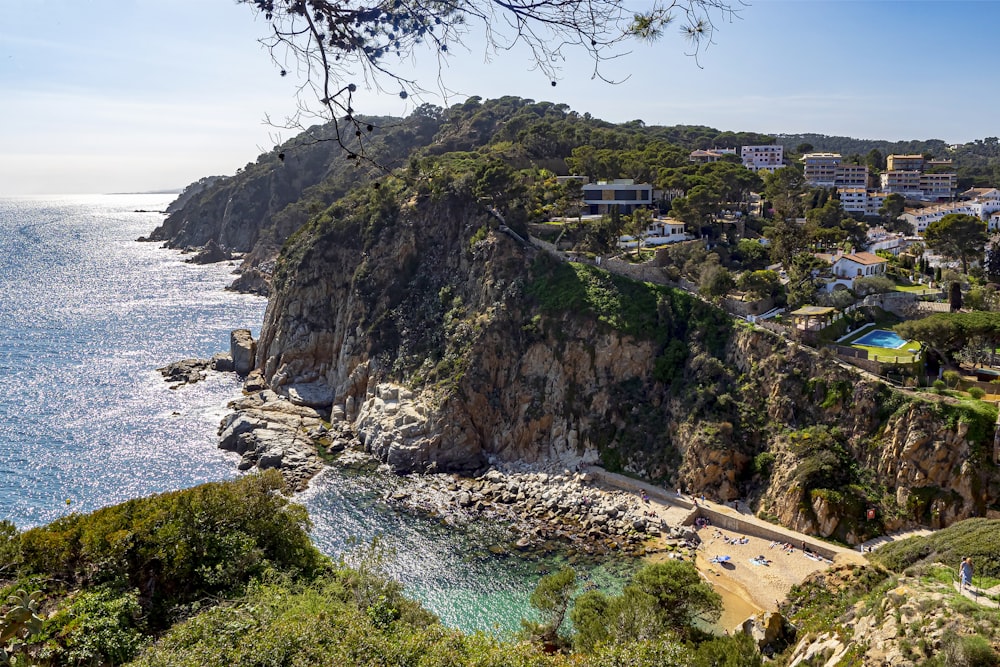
{"points": [[763, 158], [821, 168], [854, 200], [851, 176], [875, 200], [660, 232], [984, 203], [880, 239], [623, 193]]}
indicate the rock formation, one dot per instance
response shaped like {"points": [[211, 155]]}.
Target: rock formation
{"points": [[444, 348]]}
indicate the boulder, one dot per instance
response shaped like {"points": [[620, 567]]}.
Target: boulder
{"points": [[210, 253], [185, 371], [222, 362], [311, 394], [243, 350]]}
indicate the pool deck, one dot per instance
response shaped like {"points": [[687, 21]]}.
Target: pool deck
{"points": [[866, 343]]}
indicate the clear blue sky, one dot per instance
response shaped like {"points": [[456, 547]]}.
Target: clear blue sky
{"points": [[131, 95]]}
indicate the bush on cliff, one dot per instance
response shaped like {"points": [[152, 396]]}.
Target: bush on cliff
{"points": [[113, 577]]}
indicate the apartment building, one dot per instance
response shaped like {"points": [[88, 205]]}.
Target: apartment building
{"points": [[938, 186], [904, 163], [906, 183], [821, 168], [854, 200], [851, 176], [763, 158], [875, 200], [623, 194]]}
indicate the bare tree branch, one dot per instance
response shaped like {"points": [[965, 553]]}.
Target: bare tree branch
{"points": [[336, 45]]}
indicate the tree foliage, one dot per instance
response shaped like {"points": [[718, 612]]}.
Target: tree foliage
{"points": [[950, 332], [337, 47], [958, 236]]}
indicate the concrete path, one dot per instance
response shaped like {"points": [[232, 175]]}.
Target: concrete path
{"points": [[682, 510], [976, 596], [881, 540]]}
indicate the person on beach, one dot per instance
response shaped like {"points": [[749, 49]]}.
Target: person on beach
{"points": [[965, 574]]}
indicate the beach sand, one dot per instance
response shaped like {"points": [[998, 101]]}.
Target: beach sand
{"points": [[748, 589]]}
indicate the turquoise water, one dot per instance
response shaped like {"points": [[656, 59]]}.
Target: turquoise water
{"points": [[881, 338], [87, 315]]}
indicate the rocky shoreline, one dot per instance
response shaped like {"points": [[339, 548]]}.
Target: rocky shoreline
{"points": [[547, 509]]}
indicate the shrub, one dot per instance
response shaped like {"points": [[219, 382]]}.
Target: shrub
{"points": [[976, 393], [939, 384], [178, 547], [951, 378]]}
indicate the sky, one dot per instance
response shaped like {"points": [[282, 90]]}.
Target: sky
{"points": [[138, 95]]}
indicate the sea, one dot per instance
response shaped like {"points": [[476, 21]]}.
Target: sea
{"points": [[87, 315]]}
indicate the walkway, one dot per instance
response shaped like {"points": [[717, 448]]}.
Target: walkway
{"points": [[977, 596], [881, 540], [680, 510]]}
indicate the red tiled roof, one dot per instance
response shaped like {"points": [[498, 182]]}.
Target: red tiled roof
{"points": [[865, 258]]}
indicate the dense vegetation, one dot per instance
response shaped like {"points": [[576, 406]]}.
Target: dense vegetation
{"points": [[224, 574], [978, 539], [910, 585]]}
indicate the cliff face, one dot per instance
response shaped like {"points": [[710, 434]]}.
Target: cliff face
{"points": [[446, 344], [257, 209]]}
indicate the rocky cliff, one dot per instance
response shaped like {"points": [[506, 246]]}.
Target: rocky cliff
{"points": [[265, 202], [446, 344]]}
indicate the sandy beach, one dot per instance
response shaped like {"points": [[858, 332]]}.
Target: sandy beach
{"points": [[764, 585], [747, 588]]}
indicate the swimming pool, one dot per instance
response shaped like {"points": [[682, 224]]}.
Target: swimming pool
{"points": [[881, 338]]}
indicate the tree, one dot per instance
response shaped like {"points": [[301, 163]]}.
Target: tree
{"points": [[875, 160], [641, 217], [892, 207], [992, 266], [873, 285], [958, 236], [752, 254], [551, 598], [950, 332], [759, 284], [662, 599], [955, 296], [339, 45], [783, 188], [715, 281]]}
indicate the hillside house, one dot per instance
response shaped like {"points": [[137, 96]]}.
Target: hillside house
{"points": [[660, 232], [847, 268], [623, 193]]}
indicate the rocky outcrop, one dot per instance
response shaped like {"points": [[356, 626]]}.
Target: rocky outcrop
{"points": [[185, 371], [269, 432], [917, 619], [242, 350], [433, 339], [211, 253], [252, 280]]}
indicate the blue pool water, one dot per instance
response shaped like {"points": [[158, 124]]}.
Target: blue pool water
{"points": [[881, 338]]}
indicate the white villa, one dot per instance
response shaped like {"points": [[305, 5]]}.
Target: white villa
{"points": [[847, 268], [660, 232]]}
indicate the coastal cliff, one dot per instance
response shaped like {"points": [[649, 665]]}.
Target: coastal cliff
{"points": [[254, 211], [442, 343]]}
